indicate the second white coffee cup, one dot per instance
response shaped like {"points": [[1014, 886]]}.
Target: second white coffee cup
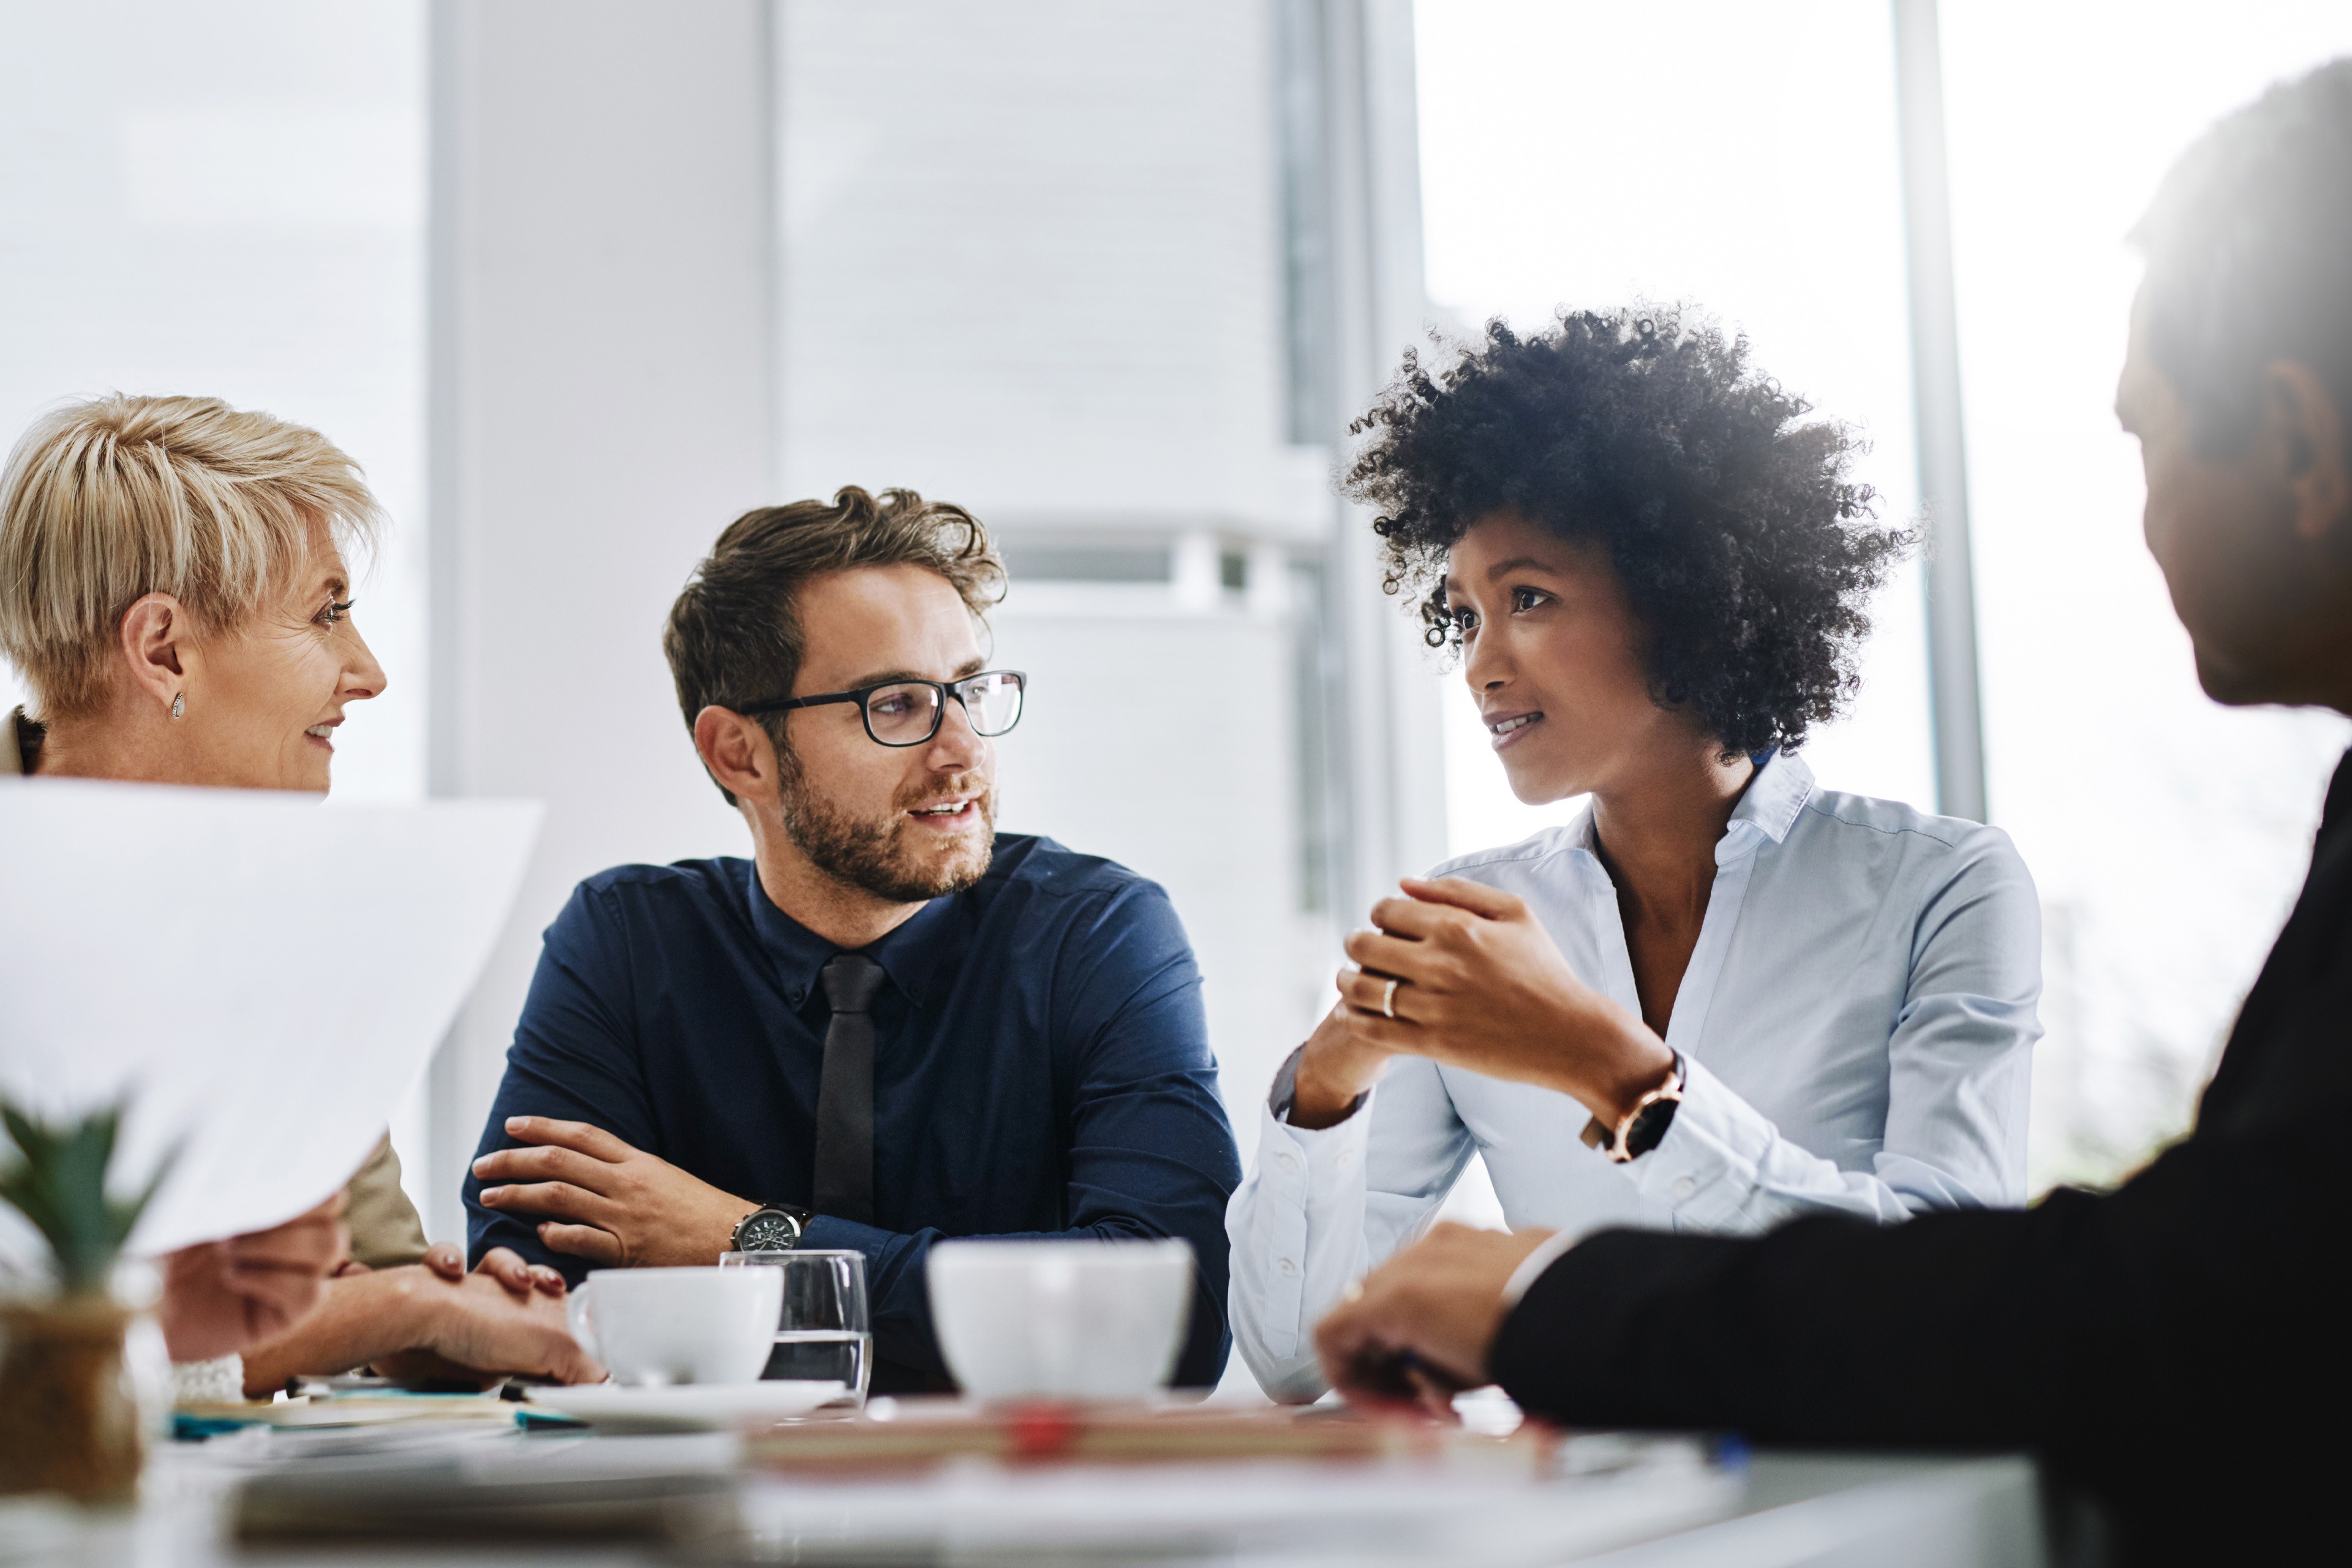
{"points": [[661, 1326], [1064, 1320]]}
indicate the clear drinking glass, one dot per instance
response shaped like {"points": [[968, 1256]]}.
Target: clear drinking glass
{"points": [[825, 1334]]}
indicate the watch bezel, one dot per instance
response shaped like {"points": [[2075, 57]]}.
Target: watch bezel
{"points": [[790, 1216]]}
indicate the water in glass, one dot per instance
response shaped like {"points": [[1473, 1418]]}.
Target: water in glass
{"points": [[822, 1355], [824, 1332]]}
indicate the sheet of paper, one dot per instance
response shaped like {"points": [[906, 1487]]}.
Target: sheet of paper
{"points": [[264, 976]]}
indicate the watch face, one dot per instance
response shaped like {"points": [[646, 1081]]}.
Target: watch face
{"points": [[1649, 1128], [768, 1231]]}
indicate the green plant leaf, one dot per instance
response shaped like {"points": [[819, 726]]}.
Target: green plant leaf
{"points": [[57, 1179]]}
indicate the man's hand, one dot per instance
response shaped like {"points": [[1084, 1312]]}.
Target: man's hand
{"points": [[1418, 1329], [1480, 985], [220, 1297], [604, 1200]]}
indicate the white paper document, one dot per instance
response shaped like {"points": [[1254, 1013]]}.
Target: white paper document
{"points": [[262, 976]]}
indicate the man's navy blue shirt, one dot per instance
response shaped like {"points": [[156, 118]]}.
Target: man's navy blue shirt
{"points": [[1041, 1067]]}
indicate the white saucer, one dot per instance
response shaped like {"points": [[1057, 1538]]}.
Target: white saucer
{"points": [[685, 1407]]}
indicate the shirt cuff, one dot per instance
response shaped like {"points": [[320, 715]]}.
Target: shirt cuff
{"points": [[1317, 1153], [831, 1233], [1302, 1173], [220, 1380], [1705, 1172], [1531, 1267], [1283, 1095]]}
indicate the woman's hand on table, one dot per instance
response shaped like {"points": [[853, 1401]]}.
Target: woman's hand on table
{"points": [[479, 1323], [1481, 984], [604, 1200], [1418, 1330], [416, 1323], [222, 1296]]}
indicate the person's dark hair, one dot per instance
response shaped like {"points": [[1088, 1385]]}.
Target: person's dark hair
{"points": [[2247, 244], [1746, 551], [734, 636]]}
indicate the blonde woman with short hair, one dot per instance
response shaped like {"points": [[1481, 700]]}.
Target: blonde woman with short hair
{"points": [[173, 595]]}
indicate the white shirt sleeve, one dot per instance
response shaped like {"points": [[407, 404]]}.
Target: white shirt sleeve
{"points": [[1322, 1208], [220, 1380], [1960, 1065]]}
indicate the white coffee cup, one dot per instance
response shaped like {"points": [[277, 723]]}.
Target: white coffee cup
{"points": [[1067, 1319], [660, 1326]]}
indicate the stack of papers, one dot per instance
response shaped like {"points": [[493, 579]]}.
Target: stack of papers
{"points": [[261, 977]]}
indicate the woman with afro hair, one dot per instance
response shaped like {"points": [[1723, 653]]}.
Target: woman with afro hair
{"points": [[1721, 997]]}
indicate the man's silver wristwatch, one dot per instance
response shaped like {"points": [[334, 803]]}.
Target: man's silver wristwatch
{"points": [[1643, 1128], [771, 1228]]}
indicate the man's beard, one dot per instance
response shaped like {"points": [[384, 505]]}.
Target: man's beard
{"points": [[874, 855]]}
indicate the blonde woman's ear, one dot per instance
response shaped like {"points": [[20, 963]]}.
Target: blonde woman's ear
{"points": [[150, 635]]}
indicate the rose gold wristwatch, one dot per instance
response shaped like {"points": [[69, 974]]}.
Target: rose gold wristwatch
{"points": [[1642, 1129]]}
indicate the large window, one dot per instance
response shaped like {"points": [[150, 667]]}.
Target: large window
{"points": [[1743, 158], [2168, 834]]}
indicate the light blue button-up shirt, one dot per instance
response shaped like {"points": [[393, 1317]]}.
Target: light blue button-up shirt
{"points": [[1858, 1019]]}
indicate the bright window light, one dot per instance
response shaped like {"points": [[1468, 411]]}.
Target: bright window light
{"points": [[1744, 158]]}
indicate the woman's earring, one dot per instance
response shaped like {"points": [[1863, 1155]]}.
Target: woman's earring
{"points": [[179, 705]]}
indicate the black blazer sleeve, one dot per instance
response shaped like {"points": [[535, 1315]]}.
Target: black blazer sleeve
{"points": [[2159, 1345]]}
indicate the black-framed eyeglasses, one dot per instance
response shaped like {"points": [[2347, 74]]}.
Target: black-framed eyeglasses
{"points": [[908, 712]]}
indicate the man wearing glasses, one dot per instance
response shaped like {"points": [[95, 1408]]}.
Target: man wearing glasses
{"points": [[891, 1024]]}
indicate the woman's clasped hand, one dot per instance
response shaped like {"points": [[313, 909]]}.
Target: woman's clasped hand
{"points": [[1481, 984]]}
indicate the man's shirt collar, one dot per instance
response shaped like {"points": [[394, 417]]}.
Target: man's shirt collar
{"points": [[909, 955]]}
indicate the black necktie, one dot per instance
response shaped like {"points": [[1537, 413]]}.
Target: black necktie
{"points": [[844, 1094]]}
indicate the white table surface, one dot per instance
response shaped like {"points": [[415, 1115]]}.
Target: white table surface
{"points": [[1645, 1504]]}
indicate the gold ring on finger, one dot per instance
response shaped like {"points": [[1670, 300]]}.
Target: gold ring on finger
{"points": [[1388, 1001]]}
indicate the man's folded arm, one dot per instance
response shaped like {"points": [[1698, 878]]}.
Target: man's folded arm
{"points": [[572, 1059], [1152, 1150]]}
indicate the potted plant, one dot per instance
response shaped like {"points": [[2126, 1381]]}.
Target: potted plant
{"points": [[68, 1421]]}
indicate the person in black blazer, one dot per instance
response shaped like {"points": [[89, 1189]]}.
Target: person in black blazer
{"points": [[2176, 1349]]}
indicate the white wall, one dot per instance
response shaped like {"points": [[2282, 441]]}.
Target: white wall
{"points": [[1031, 261], [230, 201], [601, 382]]}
